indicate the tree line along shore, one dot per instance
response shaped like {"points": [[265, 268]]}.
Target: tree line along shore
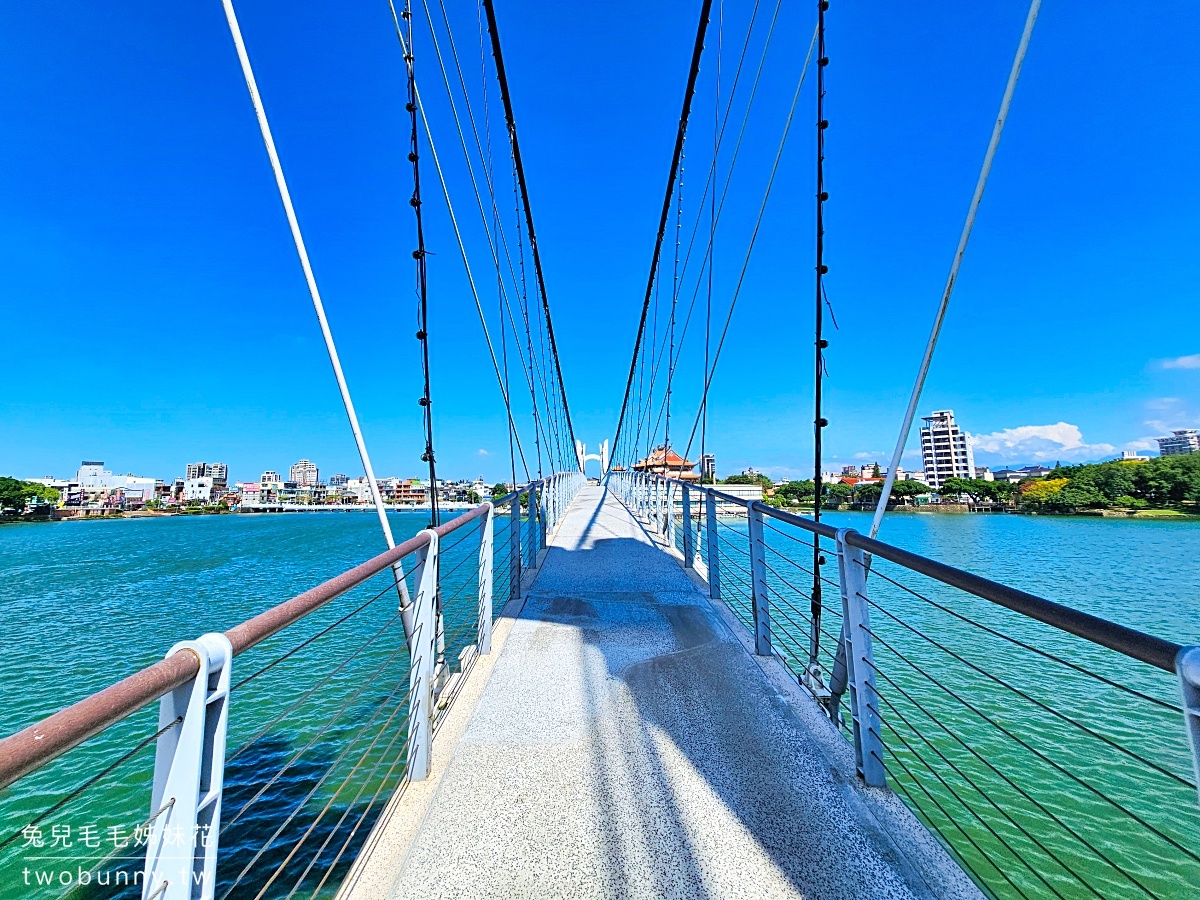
{"points": [[1164, 486]]}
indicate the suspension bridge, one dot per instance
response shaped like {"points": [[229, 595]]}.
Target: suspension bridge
{"points": [[638, 687]]}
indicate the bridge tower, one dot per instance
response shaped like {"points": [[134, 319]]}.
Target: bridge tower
{"points": [[601, 457]]}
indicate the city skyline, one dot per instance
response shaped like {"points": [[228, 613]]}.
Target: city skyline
{"points": [[916, 457], [1038, 355]]}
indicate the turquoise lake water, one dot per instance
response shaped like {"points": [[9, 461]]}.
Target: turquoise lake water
{"points": [[314, 739]]}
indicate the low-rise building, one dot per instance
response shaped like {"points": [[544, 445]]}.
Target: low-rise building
{"points": [[99, 487], [1131, 456], [199, 489], [1012, 476]]}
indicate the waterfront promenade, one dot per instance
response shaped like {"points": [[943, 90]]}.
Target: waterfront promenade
{"points": [[622, 740]]}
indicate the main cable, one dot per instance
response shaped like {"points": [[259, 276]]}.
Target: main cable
{"points": [[689, 91], [502, 77]]}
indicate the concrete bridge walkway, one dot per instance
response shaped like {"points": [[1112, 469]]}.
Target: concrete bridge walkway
{"points": [[623, 741]]}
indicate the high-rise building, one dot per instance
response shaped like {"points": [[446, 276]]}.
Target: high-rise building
{"points": [[945, 449], [269, 476], [304, 472], [338, 480], [1186, 440], [218, 472], [708, 469]]}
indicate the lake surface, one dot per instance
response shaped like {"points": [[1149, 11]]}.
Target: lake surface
{"points": [[83, 604]]}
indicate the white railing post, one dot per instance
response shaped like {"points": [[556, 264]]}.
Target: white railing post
{"points": [[860, 662], [486, 569], [189, 772], [669, 513], [758, 580], [514, 546], [689, 545], [539, 526], [422, 656], [713, 562], [1187, 664]]}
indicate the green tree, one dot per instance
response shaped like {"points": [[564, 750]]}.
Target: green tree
{"points": [[15, 493], [837, 493], [766, 482], [868, 491], [905, 490], [473, 497], [969, 486], [796, 491], [499, 489]]}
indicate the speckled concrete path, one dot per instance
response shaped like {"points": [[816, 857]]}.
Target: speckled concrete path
{"points": [[627, 744]]}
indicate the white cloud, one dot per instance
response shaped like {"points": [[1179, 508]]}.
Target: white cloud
{"points": [[1183, 362], [1040, 443], [483, 452], [1143, 443]]}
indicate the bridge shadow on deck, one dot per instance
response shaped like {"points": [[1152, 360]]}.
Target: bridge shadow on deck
{"points": [[634, 748]]}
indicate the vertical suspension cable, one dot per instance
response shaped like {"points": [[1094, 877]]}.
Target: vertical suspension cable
{"points": [[502, 78], [671, 321], [689, 91], [712, 237], [487, 127], [819, 342], [525, 317], [421, 271]]}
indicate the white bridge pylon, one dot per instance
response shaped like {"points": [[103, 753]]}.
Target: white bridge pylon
{"points": [[601, 457]]}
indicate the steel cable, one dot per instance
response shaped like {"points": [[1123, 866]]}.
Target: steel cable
{"points": [[1038, 703], [1003, 777], [304, 801], [337, 717], [963, 803], [1086, 785], [1115, 684], [984, 794]]}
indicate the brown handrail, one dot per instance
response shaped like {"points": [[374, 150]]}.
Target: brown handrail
{"points": [[36, 745]]}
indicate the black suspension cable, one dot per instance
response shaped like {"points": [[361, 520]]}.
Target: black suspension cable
{"points": [[489, 168], [712, 232], [505, 96], [658, 355], [422, 281], [671, 321], [819, 342], [689, 91]]}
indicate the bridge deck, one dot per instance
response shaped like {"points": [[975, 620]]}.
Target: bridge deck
{"points": [[626, 743]]}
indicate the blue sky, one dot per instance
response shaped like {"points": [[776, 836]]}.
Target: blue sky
{"points": [[157, 315]]}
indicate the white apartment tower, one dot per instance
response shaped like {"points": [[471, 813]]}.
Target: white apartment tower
{"points": [[304, 472], [218, 472], [1180, 442], [945, 449]]}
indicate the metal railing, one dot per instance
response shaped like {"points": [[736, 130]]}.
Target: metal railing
{"points": [[1042, 744], [278, 741]]}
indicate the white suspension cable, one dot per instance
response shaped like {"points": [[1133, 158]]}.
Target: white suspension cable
{"points": [[911, 412], [298, 238]]}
